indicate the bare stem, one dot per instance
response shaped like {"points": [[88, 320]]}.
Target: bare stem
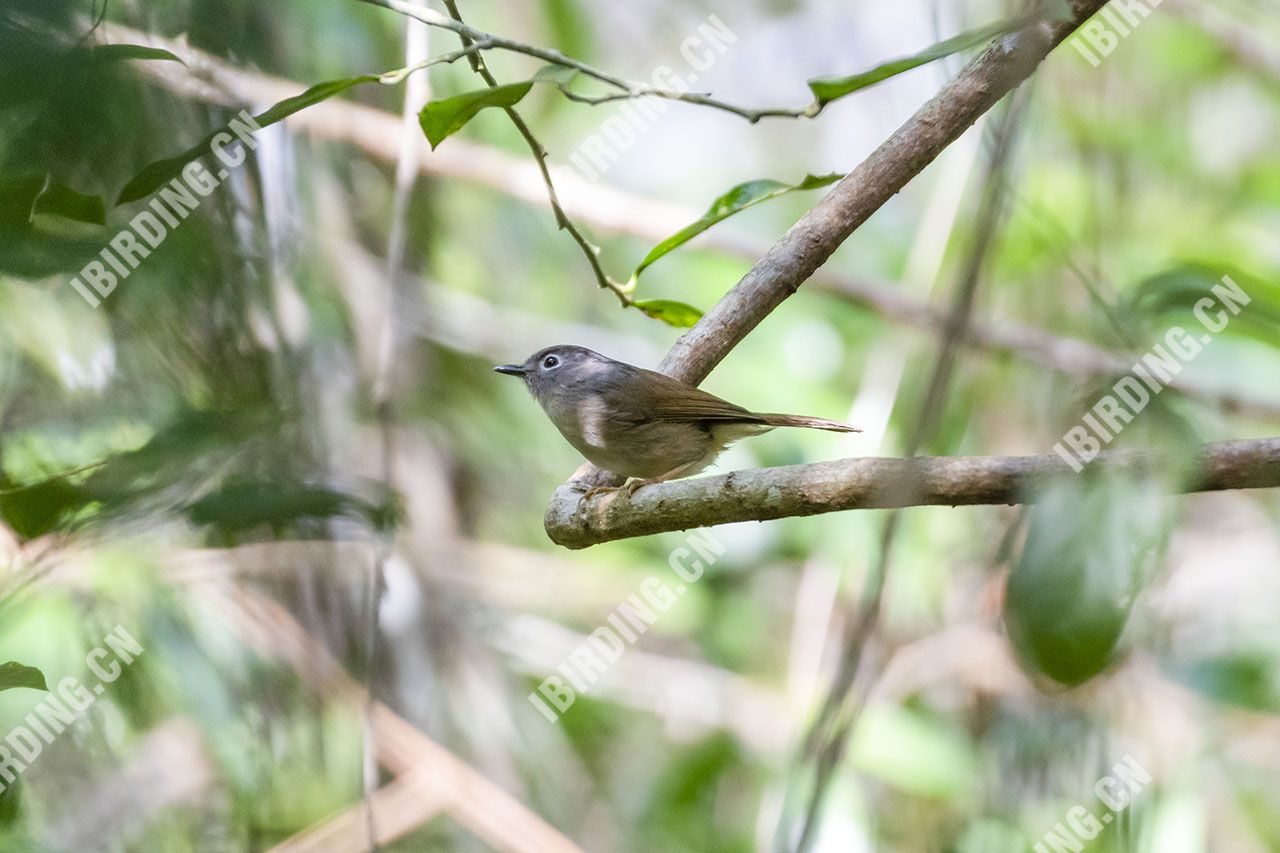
{"points": [[391, 78], [624, 88], [471, 37]]}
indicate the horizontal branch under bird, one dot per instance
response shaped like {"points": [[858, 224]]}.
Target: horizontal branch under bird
{"points": [[760, 494]]}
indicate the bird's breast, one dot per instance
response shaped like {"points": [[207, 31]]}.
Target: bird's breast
{"points": [[592, 415], [622, 443]]}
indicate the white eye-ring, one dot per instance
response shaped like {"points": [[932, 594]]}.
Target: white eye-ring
{"points": [[550, 362]]}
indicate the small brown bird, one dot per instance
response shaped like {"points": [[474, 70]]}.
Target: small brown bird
{"points": [[638, 423]]}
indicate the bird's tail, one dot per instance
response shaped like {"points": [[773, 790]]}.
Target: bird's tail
{"points": [[805, 421]]}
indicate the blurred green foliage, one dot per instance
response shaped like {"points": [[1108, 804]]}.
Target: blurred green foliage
{"points": [[215, 429], [1092, 541]]}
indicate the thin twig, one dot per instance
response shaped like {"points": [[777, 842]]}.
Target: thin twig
{"points": [[61, 475], [392, 78], [626, 88], [589, 249]]}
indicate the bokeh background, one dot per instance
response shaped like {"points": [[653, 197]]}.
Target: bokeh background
{"points": [[285, 422]]}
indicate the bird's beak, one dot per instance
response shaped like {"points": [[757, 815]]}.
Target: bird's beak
{"points": [[511, 369]]}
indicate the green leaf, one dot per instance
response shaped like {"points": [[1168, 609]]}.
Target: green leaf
{"points": [[1091, 542], [61, 200], [11, 804], [734, 201], [40, 507], [22, 198], [314, 95], [118, 52], [1171, 296], [31, 253], [18, 199], [445, 117], [244, 505], [827, 89], [190, 442], [560, 75], [914, 753], [669, 311], [14, 674], [685, 791], [157, 174], [1246, 679]]}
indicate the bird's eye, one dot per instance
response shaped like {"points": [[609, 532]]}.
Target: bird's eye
{"points": [[550, 362]]}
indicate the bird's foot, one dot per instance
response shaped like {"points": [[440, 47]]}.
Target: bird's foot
{"points": [[631, 486], [628, 488], [598, 490], [580, 511]]}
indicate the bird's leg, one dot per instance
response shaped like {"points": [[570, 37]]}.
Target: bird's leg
{"points": [[676, 473], [628, 488], [631, 485]]}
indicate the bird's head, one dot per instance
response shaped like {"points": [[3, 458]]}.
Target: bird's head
{"points": [[558, 366]]}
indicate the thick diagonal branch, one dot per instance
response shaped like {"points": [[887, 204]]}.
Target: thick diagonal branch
{"points": [[808, 244], [761, 494]]}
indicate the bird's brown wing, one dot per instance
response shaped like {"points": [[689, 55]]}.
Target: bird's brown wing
{"points": [[665, 399], [662, 398]]}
